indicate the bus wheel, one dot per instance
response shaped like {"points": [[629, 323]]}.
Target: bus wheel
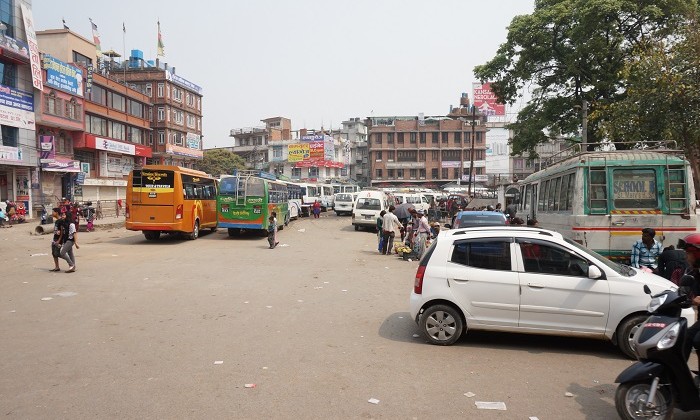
{"points": [[233, 232], [151, 235], [195, 231], [286, 220], [357, 227], [213, 229]]}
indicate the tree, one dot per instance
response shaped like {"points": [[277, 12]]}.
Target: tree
{"points": [[571, 51], [662, 102], [220, 161]]}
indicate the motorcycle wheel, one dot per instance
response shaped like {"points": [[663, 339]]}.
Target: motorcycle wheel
{"points": [[630, 402]]}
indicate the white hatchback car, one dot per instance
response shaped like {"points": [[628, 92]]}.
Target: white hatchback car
{"points": [[527, 280]]}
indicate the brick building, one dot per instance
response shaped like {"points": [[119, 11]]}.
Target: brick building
{"points": [[176, 121], [425, 152]]}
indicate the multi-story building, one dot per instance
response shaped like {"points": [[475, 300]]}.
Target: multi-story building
{"points": [[427, 152], [354, 131], [21, 77], [176, 120], [252, 143], [325, 163]]}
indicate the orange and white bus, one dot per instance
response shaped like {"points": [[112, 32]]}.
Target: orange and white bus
{"points": [[170, 199]]}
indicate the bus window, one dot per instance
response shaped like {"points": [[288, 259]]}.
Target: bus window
{"points": [[563, 191], [598, 191], [526, 201], [675, 177], [570, 193], [542, 202], [634, 189], [553, 192], [255, 187]]}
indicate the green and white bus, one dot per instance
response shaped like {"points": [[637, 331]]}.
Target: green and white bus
{"points": [[246, 200], [603, 199]]}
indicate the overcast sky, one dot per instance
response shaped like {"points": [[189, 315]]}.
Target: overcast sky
{"points": [[318, 62]]}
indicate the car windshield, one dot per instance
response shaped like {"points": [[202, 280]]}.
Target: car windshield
{"points": [[471, 220], [622, 269], [343, 197], [368, 204]]}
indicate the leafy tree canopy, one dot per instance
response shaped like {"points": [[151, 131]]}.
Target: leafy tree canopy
{"points": [[220, 161], [569, 51]]}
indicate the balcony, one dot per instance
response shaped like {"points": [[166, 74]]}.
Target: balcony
{"points": [[247, 130], [244, 149]]}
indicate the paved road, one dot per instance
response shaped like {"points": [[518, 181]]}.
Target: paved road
{"points": [[320, 325]]}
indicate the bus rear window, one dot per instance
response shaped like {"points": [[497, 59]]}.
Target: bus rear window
{"points": [[153, 179], [634, 189], [228, 186], [368, 204]]}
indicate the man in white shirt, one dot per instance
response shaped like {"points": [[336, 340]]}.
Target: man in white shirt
{"points": [[389, 224]]}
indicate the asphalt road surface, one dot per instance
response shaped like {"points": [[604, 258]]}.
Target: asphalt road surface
{"points": [[316, 328]]}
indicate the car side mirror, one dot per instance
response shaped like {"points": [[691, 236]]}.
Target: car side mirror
{"points": [[447, 226], [594, 272]]}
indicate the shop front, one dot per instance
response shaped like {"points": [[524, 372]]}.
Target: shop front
{"points": [[16, 179]]}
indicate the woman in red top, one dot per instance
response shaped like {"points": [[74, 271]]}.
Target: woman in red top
{"points": [[317, 209]]}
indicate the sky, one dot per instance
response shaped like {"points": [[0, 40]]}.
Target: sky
{"points": [[317, 62]]}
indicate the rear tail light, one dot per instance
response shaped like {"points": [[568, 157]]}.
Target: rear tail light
{"points": [[126, 211], [178, 212], [418, 284]]}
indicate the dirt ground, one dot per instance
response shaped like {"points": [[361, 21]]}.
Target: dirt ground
{"points": [[227, 328]]}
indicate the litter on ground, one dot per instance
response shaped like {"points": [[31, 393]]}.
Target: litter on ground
{"points": [[47, 298], [373, 401], [469, 394], [65, 294], [568, 394], [250, 385], [218, 362], [490, 405], [301, 230]]}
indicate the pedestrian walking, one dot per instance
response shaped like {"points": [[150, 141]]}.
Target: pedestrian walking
{"points": [[70, 240], [317, 209], [274, 215], [380, 231], [271, 232], [423, 232], [389, 225], [57, 240]]}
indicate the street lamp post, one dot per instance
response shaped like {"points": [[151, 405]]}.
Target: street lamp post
{"points": [[471, 152]]}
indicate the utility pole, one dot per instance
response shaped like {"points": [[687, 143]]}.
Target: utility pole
{"points": [[471, 153]]}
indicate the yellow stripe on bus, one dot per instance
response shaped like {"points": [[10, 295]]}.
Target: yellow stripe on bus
{"points": [[635, 212], [155, 190]]}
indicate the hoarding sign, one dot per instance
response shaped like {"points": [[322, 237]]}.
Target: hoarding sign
{"points": [[63, 76], [34, 60], [16, 108], [298, 152], [10, 154], [48, 149], [450, 164], [316, 150], [485, 100], [114, 146], [193, 140]]}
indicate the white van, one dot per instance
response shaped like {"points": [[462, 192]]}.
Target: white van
{"points": [[418, 200], [368, 205], [343, 203]]}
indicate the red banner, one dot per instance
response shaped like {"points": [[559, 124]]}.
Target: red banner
{"points": [[319, 163], [316, 150], [485, 100]]}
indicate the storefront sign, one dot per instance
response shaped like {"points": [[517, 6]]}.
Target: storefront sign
{"points": [[16, 108], [61, 165], [34, 59], [183, 82], [450, 164], [47, 149], [88, 79], [63, 76], [316, 150], [319, 163], [114, 165], [183, 151], [10, 154], [114, 146], [14, 49]]}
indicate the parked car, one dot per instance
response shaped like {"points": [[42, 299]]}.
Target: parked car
{"points": [[527, 280], [465, 219], [368, 206], [343, 203]]}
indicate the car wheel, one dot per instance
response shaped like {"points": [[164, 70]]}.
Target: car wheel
{"points": [[625, 333], [195, 231], [357, 228], [442, 324]]}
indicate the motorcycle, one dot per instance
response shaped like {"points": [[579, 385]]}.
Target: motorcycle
{"points": [[660, 380], [87, 212]]}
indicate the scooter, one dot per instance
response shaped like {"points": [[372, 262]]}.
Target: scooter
{"points": [[88, 213], [661, 380]]}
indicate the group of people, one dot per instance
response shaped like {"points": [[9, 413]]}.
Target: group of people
{"points": [[648, 254], [65, 236], [12, 212], [415, 231]]}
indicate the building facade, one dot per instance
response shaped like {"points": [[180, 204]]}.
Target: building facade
{"points": [[426, 152], [176, 120], [354, 131], [253, 143]]}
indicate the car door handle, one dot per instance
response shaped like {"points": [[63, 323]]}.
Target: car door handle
{"points": [[535, 285], [460, 280]]}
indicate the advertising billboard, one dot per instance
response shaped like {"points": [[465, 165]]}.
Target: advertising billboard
{"points": [[16, 108], [298, 152], [485, 100], [63, 76], [316, 150]]}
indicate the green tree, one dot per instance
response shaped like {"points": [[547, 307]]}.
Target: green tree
{"points": [[569, 51], [220, 161], [662, 102]]}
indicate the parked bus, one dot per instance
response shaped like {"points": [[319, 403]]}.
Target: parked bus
{"points": [[170, 199], [295, 200], [604, 199], [309, 194], [326, 195], [246, 200]]}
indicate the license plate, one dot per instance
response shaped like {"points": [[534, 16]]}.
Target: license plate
{"points": [[368, 217], [224, 208]]}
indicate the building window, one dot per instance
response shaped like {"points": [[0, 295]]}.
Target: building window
{"points": [[434, 173], [479, 137], [199, 124], [390, 173], [81, 59], [190, 100], [413, 173], [445, 174], [458, 137], [161, 137], [178, 117], [379, 173], [435, 155], [456, 173], [421, 156], [73, 110], [435, 137], [190, 121], [296, 172], [52, 105], [161, 88], [98, 95], [399, 173], [413, 138], [423, 137], [378, 156], [150, 138], [399, 138], [422, 173], [313, 172], [9, 135], [96, 125], [407, 155], [149, 89], [177, 94], [161, 113], [117, 130], [378, 138], [390, 138], [135, 135], [199, 104], [445, 136], [117, 102], [136, 108]]}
